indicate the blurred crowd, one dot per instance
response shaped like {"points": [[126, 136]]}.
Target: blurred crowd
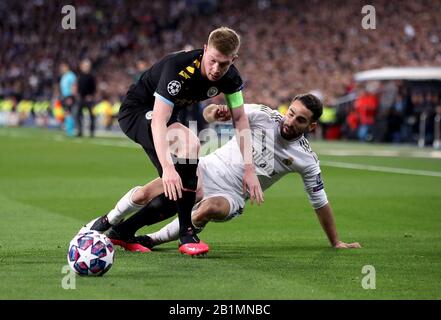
{"points": [[288, 47], [386, 111]]}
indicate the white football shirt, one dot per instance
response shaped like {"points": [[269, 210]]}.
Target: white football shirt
{"points": [[273, 156]]}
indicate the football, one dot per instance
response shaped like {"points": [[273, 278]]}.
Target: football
{"points": [[90, 254]]}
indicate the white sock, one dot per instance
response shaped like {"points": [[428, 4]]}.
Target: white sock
{"points": [[170, 232], [124, 207]]}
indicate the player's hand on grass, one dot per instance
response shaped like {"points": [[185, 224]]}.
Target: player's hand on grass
{"points": [[252, 185], [222, 113], [344, 245], [172, 183]]}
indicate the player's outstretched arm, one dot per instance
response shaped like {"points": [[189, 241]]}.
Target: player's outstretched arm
{"points": [[171, 180], [326, 218]]}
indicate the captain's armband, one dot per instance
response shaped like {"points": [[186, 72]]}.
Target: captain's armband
{"points": [[234, 100]]}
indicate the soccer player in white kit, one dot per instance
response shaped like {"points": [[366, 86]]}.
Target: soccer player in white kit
{"points": [[279, 148]]}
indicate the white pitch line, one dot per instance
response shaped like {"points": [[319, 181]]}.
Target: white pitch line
{"points": [[382, 153], [108, 143], [347, 165]]}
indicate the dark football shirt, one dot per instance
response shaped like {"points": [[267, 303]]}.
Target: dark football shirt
{"points": [[177, 80]]}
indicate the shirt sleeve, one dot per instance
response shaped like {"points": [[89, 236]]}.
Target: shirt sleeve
{"points": [[258, 115], [72, 79], [314, 186], [170, 84], [233, 81]]}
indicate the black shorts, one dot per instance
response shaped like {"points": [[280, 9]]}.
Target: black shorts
{"points": [[68, 103], [136, 124]]}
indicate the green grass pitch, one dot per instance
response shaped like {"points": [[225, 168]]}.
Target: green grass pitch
{"points": [[50, 186]]}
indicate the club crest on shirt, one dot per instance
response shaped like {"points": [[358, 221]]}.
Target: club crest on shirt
{"points": [[174, 87], [288, 162], [212, 92], [149, 115]]}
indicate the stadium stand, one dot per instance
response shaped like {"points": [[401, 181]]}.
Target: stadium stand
{"points": [[288, 47]]}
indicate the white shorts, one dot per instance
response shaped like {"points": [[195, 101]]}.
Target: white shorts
{"points": [[218, 182]]}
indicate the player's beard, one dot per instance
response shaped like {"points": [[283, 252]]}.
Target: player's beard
{"points": [[289, 133]]}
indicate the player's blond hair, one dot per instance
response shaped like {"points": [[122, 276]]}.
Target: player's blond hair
{"points": [[225, 40]]}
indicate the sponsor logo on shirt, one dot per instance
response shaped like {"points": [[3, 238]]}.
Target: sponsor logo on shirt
{"points": [[319, 182], [185, 102]]}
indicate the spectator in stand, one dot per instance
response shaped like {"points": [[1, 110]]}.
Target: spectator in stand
{"points": [[351, 125], [328, 121], [416, 108], [397, 129], [280, 44], [437, 123], [387, 97], [430, 103], [141, 67], [86, 92], [366, 107]]}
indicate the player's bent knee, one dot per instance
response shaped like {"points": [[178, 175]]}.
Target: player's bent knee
{"points": [[189, 144], [144, 194], [140, 196], [213, 209], [193, 149], [190, 148]]}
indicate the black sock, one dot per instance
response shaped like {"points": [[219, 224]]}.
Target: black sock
{"points": [[186, 169], [185, 205], [158, 209]]}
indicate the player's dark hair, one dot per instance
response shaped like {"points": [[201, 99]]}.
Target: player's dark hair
{"points": [[311, 102]]}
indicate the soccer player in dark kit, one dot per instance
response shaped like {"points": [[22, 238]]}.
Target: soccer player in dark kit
{"points": [[149, 116]]}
